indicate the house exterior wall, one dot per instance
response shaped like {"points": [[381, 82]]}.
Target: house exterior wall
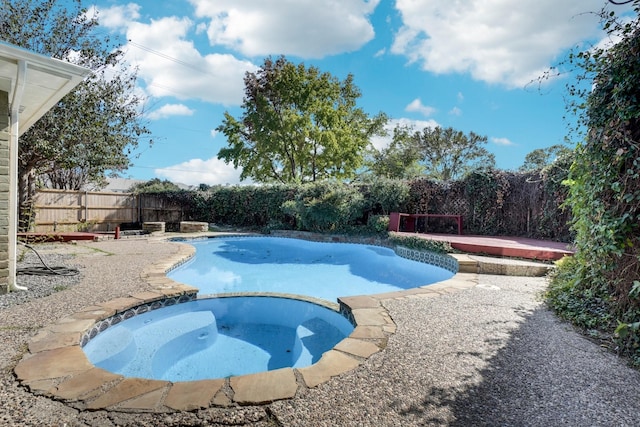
{"points": [[4, 191]]}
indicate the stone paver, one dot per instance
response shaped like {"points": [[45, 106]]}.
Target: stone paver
{"points": [[360, 301], [357, 347], [151, 401], [369, 316], [86, 385], [332, 363], [187, 396], [49, 340], [264, 387], [128, 388], [56, 363], [368, 332]]}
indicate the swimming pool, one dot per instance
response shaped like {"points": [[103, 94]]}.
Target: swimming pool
{"points": [[231, 334], [218, 338], [293, 266]]}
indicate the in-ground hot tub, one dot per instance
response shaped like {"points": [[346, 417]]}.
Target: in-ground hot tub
{"points": [[218, 338]]}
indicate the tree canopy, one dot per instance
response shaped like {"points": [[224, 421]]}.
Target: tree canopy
{"points": [[539, 158], [95, 128], [448, 154], [155, 185], [298, 125], [399, 160]]}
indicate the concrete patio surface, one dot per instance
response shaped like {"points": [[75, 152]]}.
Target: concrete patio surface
{"points": [[479, 350]]}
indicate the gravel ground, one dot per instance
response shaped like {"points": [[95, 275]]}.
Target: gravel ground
{"points": [[489, 356], [40, 285]]}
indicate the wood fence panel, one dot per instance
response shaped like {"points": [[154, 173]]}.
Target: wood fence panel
{"points": [[155, 207], [64, 210]]}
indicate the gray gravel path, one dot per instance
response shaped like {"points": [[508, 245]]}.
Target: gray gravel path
{"points": [[489, 356]]}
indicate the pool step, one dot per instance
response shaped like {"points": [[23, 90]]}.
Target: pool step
{"points": [[312, 337], [112, 349], [164, 341]]}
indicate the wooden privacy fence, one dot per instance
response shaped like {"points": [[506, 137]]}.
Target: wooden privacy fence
{"points": [[66, 210]]}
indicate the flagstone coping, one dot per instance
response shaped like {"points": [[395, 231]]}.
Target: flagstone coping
{"points": [[55, 364]]}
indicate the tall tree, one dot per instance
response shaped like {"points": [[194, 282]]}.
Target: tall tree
{"points": [[298, 125], [539, 158], [96, 127], [399, 160], [449, 154]]}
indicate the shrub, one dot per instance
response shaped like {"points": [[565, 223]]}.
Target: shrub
{"points": [[325, 207], [383, 196], [378, 223], [420, 244]]}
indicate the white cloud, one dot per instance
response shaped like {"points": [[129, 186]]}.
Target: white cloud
{"points": [[417, 106], [197, 171], [305, 28], [455, 111], [507, 42], [170, 110], [502, 141], [169, 63], [380, 142], [116, 17], [379, 54]]}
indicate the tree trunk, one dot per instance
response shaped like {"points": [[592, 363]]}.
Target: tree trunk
{"points": [[26, 193]]}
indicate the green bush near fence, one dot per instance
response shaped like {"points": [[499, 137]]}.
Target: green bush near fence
{"points": [[325, 207]]}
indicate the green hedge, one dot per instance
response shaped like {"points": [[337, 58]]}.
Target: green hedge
{"points": [[491, 202]]}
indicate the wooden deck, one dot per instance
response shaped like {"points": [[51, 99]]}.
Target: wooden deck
{"points": [[515, 247]]}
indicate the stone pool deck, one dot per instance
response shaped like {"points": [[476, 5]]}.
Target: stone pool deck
{"points": [[475, 350]]}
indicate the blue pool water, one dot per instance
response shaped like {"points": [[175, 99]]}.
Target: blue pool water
{"points": [[321, 270], [218, 338]]}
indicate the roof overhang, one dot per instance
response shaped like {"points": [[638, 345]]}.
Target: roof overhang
{"points": [[42, 82]]}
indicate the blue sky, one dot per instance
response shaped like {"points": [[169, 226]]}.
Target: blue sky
{"points": [[464, 64]]}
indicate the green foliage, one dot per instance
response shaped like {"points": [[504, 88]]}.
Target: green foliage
{"points": [[582, 299], [155, 185], [541, 158], [420, 244], [299, 125], [400, 160], [94, 128], [249, 206], [383, 196], [486, 193], [554, 216], [325, 207], [378, 224], [492, 203], [604, 192], [448, 154]]}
